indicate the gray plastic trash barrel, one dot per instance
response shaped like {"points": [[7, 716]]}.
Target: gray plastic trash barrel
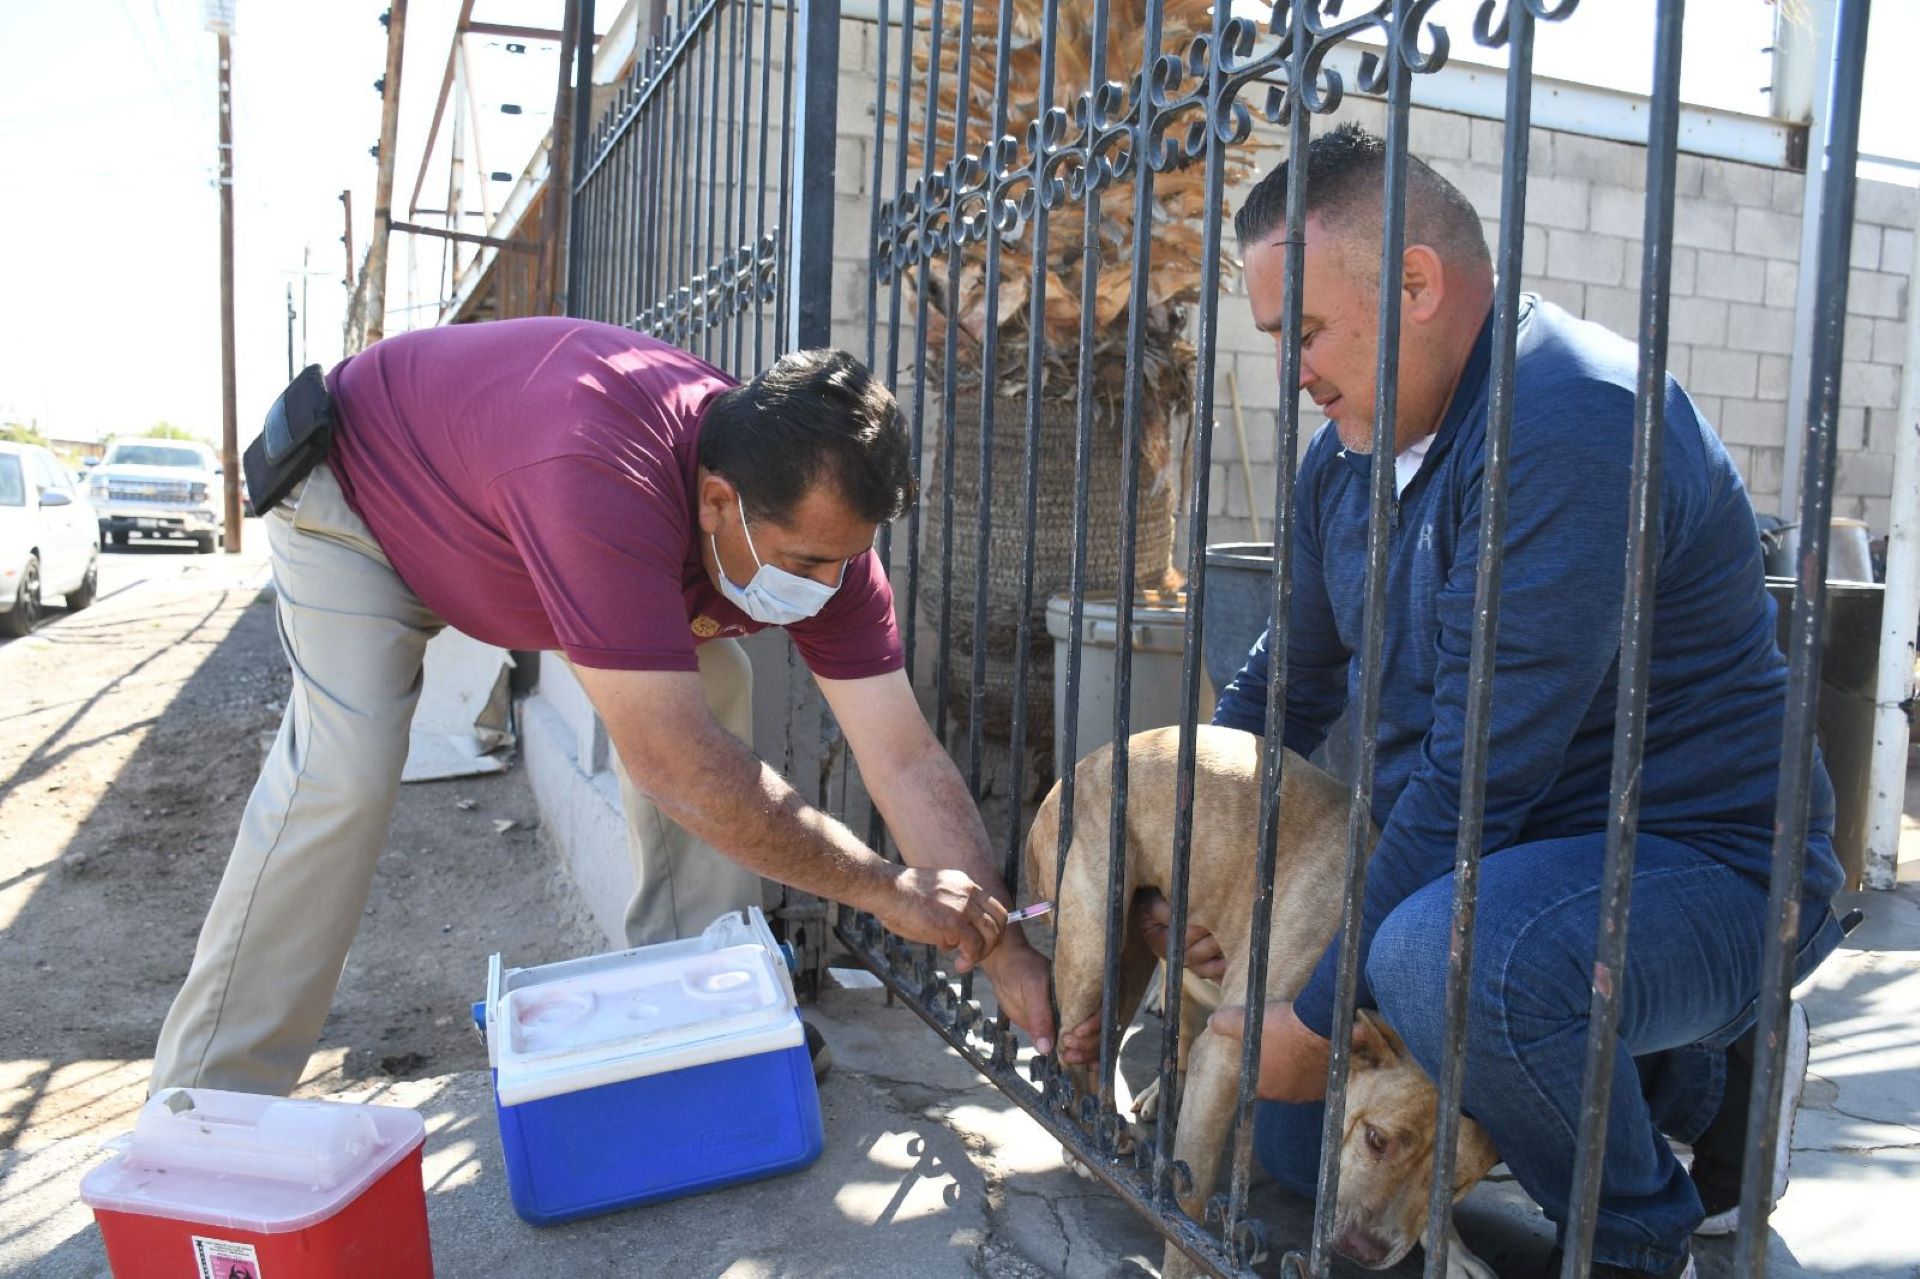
{"points": [[1849, 655], [1159, 637], [1239, 598]]}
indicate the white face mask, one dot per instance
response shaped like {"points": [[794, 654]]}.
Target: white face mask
{"points": [[774, 596]]}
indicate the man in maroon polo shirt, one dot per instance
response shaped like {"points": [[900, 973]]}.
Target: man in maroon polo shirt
{"points": [[557, 484]]}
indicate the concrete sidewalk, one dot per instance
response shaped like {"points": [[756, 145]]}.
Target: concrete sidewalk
{"points": [[929, 1172]]}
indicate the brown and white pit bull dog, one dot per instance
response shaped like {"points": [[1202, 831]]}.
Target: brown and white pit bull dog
{"points": [[1386, 1158]]}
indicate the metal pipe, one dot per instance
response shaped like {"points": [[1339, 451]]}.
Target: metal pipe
{"points": [[1894, 686], [1803, 649], [229, 397]]}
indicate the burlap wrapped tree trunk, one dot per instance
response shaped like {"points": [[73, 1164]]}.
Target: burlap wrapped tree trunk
{"points": [[1053, 553]]}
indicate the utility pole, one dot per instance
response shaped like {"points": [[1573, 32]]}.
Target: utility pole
{"points": [[383, 184], [219, 18], [290, 369]]}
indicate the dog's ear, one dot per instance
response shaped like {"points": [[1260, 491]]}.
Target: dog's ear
{"points": [[1374, 1043], [1474, 1156]]}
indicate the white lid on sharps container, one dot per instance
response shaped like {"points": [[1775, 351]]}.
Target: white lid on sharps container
{"points": [[246, 1162], [564, 1027]]}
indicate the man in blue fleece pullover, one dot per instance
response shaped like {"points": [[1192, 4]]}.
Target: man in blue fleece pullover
{"points": [[1713, 734]]}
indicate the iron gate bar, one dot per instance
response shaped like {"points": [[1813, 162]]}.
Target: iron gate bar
{"points": [[1093, 174], [1044, 193], [653, 137], [919, 252], [1283, 105], [876, 830], [992, 180], [723, 278], [783, 278], [882, 266], [760, 292], [1515, 32], [1168, 72], [995, 181], [1809, 612], [958, 176], [1636, 642], [624, 234], [1401, 33], [697, 321], [1135, 166], [742, 274], [658, 137], [706, 175], [673, 296]]}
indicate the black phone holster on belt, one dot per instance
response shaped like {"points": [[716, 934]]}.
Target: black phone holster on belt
{"points": [[297, 434]]}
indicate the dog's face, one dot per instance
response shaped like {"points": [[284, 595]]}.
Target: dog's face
{"points": [[1386, 1155]]}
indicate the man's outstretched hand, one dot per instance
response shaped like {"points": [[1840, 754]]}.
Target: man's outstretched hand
{"points": [[945, 908]]}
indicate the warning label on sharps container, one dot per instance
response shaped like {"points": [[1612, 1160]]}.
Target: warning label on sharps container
{"points": [[224, 1259]]}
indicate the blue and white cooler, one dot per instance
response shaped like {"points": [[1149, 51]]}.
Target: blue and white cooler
{"points": [[646, 1074]]}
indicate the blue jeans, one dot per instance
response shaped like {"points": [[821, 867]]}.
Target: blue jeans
{"points": [[1697, 932]]}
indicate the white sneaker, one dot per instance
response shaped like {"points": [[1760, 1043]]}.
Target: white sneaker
{"points": [[1718, 1181]]}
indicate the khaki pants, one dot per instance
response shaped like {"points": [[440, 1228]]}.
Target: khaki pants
{"points": [[285, 914]]}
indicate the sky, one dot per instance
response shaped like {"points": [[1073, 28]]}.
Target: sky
{"points": [[110, 219]]}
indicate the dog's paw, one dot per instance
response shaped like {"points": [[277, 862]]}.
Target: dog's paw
{"points": [[1074, 1164], [1146, 1106]]}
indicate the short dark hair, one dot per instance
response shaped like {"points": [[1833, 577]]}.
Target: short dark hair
{"points": [[815, 416], [1346, 182]]}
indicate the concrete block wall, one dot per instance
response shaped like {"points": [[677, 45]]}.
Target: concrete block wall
{"points": [[1734, 280]]}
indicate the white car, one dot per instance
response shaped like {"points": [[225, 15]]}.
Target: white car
{"points": [[49, 538], [163, 488]]}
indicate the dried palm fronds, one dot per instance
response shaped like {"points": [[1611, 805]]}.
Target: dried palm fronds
{"points": [[1178, 206]]}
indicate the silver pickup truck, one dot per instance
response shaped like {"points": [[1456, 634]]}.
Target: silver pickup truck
{"points": [[160, 488]]}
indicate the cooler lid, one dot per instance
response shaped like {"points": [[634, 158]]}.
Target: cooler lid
{"points": [[579, 1024], [246, 1162]]}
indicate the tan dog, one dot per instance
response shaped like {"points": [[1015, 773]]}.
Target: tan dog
{"points": [[1386, 1158]]}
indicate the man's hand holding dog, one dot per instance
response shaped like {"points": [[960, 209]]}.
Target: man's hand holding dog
{"points": [[1019, 974], [1152, 919], [1293, 1060]]}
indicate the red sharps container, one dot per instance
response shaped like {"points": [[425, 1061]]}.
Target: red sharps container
{"points": [[225, 1185]]}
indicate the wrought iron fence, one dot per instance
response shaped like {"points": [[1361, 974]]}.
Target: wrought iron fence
{"points": [[702, 197], [703, 215], [953, 205]]}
